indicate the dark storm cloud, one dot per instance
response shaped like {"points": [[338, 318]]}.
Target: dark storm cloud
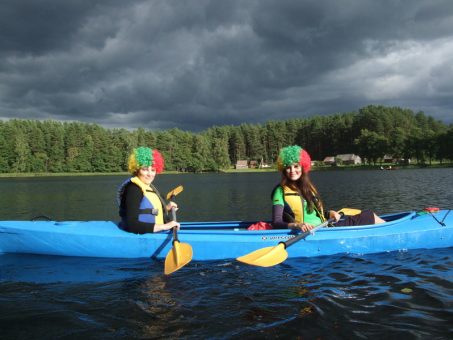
{"points": [[193, 64]]}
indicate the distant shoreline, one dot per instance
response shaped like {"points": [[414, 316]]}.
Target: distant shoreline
{"points": [[315, 168]]}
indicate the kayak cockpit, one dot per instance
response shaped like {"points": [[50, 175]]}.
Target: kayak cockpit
{"points": [[397, 216]]}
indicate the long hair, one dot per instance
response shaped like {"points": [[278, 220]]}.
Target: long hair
{"points": [[306, 188]]}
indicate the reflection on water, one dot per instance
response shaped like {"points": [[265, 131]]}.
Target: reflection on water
{"points": [[327, 297]]}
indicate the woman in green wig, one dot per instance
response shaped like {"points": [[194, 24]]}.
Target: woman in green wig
{"points": [[141, 207], [296, 202]]}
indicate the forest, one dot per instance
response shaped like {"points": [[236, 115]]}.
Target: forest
{"points": [[31, 146]]}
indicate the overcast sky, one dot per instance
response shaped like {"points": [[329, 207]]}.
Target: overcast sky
{"points": [[194, 64]]}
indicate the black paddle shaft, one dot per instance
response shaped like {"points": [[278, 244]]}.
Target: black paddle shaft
{"points": [[303, 235], [173, 217]]}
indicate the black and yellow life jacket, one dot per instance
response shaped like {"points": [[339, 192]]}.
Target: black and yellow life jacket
{"points": [[152, 205]]}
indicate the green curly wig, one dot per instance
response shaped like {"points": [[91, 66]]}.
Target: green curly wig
{"points": [[293, 154]]}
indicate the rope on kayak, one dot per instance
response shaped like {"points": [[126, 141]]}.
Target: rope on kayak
{"points": [[448, 211], [440, 222]]}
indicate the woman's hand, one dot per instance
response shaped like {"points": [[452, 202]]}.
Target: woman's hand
{"points": [[335, 215], [166, 226], [302, 226], [171, 205]]}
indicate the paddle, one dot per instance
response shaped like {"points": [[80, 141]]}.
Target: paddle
{"points": [[271, 256], [349, 211], [181, 253]]}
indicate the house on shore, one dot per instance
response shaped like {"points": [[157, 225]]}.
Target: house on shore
{"points": [[329, 160], [349, 159], [241, 164], [389, 159], [346, 159]]}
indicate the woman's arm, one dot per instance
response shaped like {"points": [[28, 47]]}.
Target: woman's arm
{"points": [[278, 209], [278, 223], [277, 217]]}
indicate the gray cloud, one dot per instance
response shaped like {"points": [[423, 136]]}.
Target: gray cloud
{"points": [[194, 64]]}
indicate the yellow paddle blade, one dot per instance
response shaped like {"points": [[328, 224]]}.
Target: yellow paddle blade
{"points": [[266, 257], [175, 192], [178, 256], [350, 211]]}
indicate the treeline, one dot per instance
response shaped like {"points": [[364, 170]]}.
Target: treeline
{"points": [[51, 146]]}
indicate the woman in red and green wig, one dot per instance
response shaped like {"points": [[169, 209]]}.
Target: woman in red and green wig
{"points": [[296, 202], [142, 209]]}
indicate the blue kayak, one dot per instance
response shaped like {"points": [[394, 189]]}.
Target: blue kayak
{"points": [[225, 240]]}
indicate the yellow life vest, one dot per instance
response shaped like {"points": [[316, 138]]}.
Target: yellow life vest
{"points": [[296, 202], [153, 197]]}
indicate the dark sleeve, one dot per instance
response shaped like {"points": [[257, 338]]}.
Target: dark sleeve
{"points": [[277, 217], [133, 195]]}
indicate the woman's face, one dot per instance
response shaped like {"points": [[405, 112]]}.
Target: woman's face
{"points": [[146, 174], [294, 171]]}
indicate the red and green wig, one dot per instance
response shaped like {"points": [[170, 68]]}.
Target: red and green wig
{"points": [[293, 154], [144, 157]]}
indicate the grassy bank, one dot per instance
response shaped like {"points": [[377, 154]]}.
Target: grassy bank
{"points": [[314, 168], [384, 166]]}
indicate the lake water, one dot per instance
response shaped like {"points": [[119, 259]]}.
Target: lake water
{"points": [[407, 295]]}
